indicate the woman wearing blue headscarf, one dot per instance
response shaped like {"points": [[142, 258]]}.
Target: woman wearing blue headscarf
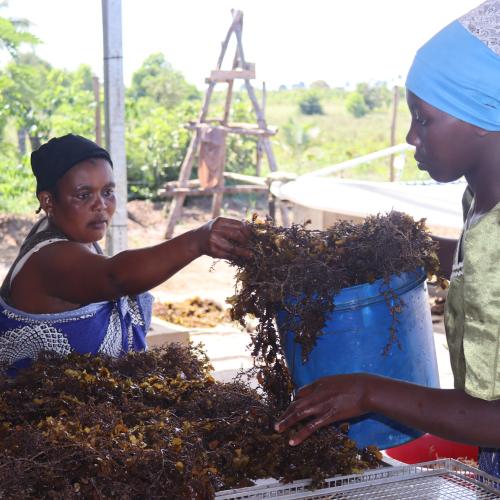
{"points": [[453, 92]]}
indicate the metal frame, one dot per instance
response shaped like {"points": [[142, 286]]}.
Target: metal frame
{"points": [[443, 479]]}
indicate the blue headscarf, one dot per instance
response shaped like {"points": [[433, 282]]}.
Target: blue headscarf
{"points": [[458, 70]]}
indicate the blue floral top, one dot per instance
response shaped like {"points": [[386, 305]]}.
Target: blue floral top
{"points": [[110, 328]]}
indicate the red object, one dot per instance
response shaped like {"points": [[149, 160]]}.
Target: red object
{"points": [[429, 447]]}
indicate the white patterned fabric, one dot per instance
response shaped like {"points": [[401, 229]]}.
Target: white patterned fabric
{"points": [[136, 319], [112, 343], [484, 23], [28, 340]]}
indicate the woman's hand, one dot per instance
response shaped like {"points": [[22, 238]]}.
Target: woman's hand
{"points": [[224, 238], [447, 413], [328, 400]]}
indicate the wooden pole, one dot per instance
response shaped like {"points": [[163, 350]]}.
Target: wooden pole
{"points": [[229, 95], [185, 172], [187, 165], [217, 197], [97, 115], [259, 143], [258, 112], [237, 20], [395, 103], [266, 143]]}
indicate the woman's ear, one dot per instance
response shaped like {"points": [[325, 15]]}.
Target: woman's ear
{"points": [[46, 200]]}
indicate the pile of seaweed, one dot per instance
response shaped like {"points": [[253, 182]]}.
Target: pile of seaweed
{"points": [[300, 271], [149, 425], [194, 312]]}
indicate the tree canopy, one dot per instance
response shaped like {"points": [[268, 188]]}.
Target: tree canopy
{"points": [[157, 79]]}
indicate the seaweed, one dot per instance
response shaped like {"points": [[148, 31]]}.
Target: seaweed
{"points": [[149, 425], [300, 271]]}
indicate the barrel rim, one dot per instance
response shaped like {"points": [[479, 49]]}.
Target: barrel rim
{"points": [[415, 279], [407, 281]]}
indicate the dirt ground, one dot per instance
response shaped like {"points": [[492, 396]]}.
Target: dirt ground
{"points": [[204, 277]]}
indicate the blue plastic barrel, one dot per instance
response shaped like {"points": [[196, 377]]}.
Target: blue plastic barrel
{"points": [[355, 338]]}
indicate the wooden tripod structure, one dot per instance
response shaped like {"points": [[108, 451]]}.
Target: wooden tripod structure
{"points": [[240, 70]]}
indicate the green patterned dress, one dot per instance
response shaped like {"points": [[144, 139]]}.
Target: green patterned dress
{"points": [[472, 315]]}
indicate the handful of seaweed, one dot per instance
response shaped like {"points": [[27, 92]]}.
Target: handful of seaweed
{"points": [[301, 270], [149, 425]]}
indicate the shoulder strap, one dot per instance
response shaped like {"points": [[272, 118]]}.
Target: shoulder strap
{"points": [[39, 233]]}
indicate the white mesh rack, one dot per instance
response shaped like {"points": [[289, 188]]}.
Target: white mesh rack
{"points": [[439, 479]]}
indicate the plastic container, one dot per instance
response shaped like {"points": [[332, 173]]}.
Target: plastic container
{"points": [[430, 447], [354, 339]]}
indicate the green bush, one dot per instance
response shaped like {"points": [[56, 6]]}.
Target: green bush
{"points": [[17, 184], [356, 105], [311, 105], [376, 95], [156, 143], [241, 149]]}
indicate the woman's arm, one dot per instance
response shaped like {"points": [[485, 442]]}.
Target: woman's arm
{"points": [[71, 272], [451, 414]]}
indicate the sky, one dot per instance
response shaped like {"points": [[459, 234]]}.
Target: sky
{"points": [[339, 41]]}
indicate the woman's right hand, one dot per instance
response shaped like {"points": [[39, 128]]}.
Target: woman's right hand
{"points": [[224, 238], [325, 401]]}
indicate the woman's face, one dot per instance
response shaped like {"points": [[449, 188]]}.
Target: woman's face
{"points": [[445, 147], [84, 202]]}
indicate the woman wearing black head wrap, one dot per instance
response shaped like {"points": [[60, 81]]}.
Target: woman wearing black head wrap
{"points": [[453, 92], [61, 293]]}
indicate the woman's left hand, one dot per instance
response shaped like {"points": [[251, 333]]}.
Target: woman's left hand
{"points": [[224, 238], [329, 399]]}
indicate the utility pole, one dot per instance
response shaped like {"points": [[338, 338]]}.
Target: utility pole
{"points": [[97, 115], [114, 99]]}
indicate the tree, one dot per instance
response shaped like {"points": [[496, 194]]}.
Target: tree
{"points": [[298, 138], [156, 144], [158, 104], [158, 80], [73, 96], [320, 84], [375, 96], [241, 149], [356, 105], [310, 105], [45, 101], [367, 98], [16, 181], [13, 34]]}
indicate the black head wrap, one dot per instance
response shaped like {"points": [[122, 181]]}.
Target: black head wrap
{"points": [[54, 158]]}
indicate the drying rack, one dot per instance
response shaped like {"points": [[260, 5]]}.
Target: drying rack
{"points": [[438, 479]]}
